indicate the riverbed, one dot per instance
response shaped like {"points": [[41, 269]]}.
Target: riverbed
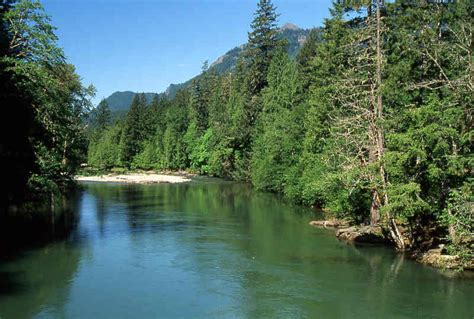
{"points": [[215, 249]]}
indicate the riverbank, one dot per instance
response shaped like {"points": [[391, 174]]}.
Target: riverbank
{"points": [[138, 178], [435, 257]]}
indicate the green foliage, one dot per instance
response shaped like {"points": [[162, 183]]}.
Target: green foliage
{"points": [[104, 153], [134, 130], [199, 150], [276, 147], [102, 116], [458, 217], [354, 125], [49, 95], [261, 45]]}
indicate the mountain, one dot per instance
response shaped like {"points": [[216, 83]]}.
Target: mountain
{"points": [[295, 36], [121, 101]]}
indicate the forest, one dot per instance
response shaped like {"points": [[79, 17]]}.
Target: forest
{"points": [[43, 110], [371, 122]]}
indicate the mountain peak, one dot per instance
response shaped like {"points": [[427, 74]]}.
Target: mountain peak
{"points": [[289, 26]]}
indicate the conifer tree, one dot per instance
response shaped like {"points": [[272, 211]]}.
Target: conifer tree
{"points": [[305, 56], [262, 43], [277, 145], [134, 132], [359, 98], [102, 119], [200, 98]]}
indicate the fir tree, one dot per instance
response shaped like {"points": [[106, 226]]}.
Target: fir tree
{"points": [[133, 132], [262, 43], [102, 118], [276, 147]]}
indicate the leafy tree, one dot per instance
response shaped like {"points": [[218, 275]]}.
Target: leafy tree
{"points": [[17, 154], [53, 100], [105, 152]]}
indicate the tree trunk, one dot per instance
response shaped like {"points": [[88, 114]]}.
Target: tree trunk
{"points": [[64, 160], [393, 228]]}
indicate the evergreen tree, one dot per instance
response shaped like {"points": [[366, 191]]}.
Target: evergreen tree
{"points": [[430, 122], [277, 147], [104, 153], [134, 130], [200, 100], [102, 117], [262, 43], [174, 147], [372, 122], [305, 56]]}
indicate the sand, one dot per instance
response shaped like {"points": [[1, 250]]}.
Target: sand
{"points": [[138, 178]]}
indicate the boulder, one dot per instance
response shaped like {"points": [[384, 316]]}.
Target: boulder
{"points": [[437, 258], [363, 234], [334, 223]]}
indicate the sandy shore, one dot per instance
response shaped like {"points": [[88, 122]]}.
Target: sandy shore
{"points": [[135, 178]]}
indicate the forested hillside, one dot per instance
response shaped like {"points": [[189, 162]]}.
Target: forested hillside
{"points": [[119, 102], [372, 121]]}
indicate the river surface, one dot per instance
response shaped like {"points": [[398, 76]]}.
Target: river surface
{"points": [[215, 249]]}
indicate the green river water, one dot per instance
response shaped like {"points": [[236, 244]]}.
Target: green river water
{"points": [[215, 249]]}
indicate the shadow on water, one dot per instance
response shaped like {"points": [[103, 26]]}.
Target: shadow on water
{"points": [[34, 249], [11, 283], [24, 231]]}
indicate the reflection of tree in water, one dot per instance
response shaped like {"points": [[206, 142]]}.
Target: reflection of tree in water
{"points": [[101, 214], [37, 228], [38, 279], [263, 248], [37, 270]]}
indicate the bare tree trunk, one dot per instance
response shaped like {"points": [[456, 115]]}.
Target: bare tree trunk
{"points": [[375, 131], [64, 160], [52, 208], [393, 228], [375, 208]]}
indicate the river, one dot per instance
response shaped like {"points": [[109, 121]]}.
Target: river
{"points": [[216, 249]]}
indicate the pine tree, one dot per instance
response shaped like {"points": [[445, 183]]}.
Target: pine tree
{"points": [[102, 117], [134, 132], [359, 98], [200, 97], [262, 43], [277, 147], [430, 119]]}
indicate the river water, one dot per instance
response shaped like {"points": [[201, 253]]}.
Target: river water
{"points": [[216, 249]]}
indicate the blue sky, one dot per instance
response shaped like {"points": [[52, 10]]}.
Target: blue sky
{"points": [[144, 45]]}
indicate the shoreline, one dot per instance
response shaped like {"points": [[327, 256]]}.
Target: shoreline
{"points": [[137, 178], [434, 257]]}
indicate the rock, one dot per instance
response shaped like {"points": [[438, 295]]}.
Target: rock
{"points": [[335, 223], [364, 234], [436, 258]]}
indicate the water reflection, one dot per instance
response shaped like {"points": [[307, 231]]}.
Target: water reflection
{"points": [[216, 249]]}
